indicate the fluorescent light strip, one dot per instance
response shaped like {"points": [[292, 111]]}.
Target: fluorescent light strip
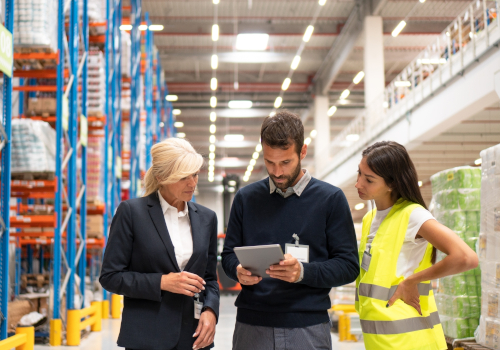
{"points": [[278, 101], [399, 28], [215, 32], [214, 61], [308, 33], [213, 84], [286, 84], [295, 62], [357, 79]]}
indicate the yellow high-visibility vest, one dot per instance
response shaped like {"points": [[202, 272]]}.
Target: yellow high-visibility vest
{"points": [[399, 326]]}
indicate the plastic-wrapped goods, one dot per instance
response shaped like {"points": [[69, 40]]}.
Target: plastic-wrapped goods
{"points": [[34, 24], [96, 93], [456, 202], [94, 160], [126, 53], [33, 146], [96, 10], [489, 248]]}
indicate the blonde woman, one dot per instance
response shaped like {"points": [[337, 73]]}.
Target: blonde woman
{"points": [[162, 255]]}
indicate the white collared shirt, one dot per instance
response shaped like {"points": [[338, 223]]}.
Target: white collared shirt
{"points": [[179, 228]]}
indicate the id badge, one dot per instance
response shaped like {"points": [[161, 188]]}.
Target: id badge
{"points": [[365, 263], [198, 306], [299, 252]]}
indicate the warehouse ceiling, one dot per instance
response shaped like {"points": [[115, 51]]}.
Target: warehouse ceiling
{"points": [[185, 46]]}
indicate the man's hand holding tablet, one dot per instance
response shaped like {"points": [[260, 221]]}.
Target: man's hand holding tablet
{"points": [[246, 278]]}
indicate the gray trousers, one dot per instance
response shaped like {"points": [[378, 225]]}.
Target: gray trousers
{"points": [[247, 337]]}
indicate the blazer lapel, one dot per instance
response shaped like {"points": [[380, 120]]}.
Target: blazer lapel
{"points": [[197, 234], [158, 219]]}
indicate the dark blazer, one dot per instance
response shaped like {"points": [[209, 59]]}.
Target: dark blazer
{"points": [[139, 251]]}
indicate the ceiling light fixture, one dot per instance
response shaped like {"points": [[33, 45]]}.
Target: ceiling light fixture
{"points": [[213, 101], [253, 162], [331, 111], [431, 61], [156, 27], [255, 155], [252, 42], [249, 168], [213, 117], [359, 206], [143, 27], [212, 139], [278, 101], [258, 148], [210, 179], [211, 148], [181, 135], [211, 156], [322, 2], [420, 183], [308, 33], [215, 32], [234, 137], [478, 161], [176, 112], [126, 27], [402, 83], [211, 162], [245, 178], [212, 128], [213, 84], [272, 114], [172, 98], [286, 84], [216, 2], [215, 61], [211, 168], [178, 124], [398, 28], [295, 62], [239, 104], [357, 79], [352, 137], [313, 133], [307, 141], [345, 94]]}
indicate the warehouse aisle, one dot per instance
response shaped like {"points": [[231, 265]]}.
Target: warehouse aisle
{"points": [[106, 339]]}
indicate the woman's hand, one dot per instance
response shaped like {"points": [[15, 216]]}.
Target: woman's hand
{"points": [[408, 292], [182, 283], [205, 330]]}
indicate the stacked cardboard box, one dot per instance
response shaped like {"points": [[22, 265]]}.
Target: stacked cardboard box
{"points": [[95, 226], [456, 200], [16, 310], [33, 146], [42, 106], [96, 95], [489, 249]]}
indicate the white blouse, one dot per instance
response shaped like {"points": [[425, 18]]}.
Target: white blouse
{"points": [[179, 228], [413, 249]]}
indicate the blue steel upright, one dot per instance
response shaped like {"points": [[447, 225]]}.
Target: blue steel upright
{"points": [[149, 92], [59, 160], [5, 178], [159, 97], [118, 109], [72, 166], [135, 93], [82, 263]]}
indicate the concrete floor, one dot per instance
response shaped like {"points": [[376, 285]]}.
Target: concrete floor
{"points": [[106, 339]]}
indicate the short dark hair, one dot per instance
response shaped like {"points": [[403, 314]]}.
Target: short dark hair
{"points": [[282, 130]]}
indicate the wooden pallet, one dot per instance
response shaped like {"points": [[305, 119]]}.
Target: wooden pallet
{"points": [[33, 49], [29, 176], [464, 345], [35, 279], [32, 62]]}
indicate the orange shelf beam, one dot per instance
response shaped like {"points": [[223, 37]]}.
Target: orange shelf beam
{"points": [[33, 221], [39, 73], [31, 186], [36, 56]]}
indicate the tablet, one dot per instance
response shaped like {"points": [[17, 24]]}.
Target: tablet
{"points": [[257, 259]]}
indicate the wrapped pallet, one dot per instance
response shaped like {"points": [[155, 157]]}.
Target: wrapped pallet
{"points": [[456, 204], [489, 249]]}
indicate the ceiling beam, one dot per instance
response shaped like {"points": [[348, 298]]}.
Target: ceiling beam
{"points": [[342, 48]]}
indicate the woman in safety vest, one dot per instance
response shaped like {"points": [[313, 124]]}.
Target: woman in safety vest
{"points": [[394, 296]]}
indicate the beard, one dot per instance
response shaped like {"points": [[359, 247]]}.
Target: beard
{"points": [[290, 179]]}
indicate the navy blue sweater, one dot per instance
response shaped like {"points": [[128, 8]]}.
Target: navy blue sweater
{"points": [[322, 219]]}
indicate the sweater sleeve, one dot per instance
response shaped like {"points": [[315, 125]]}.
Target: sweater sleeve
{"points": [[342, 267], [233, 239]]}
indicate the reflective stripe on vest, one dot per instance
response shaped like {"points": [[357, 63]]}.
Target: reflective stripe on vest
{"points": [[382, 293], [400, 326]]}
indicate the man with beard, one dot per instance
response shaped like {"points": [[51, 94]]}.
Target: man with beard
{"points": [[309, 219]]}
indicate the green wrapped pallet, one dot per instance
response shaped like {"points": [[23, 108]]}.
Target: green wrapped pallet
{"points": [[451, 199], [475, 306], [457, 220], [471, 286], [476, 177], [463, 178], [459, 285], [473, 324], [472, 221], [469, 199], [461, 307]]}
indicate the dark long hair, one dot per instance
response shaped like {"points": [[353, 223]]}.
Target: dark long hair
{"points": [[391, 161]]}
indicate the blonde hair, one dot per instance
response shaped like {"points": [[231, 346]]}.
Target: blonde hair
{"points": [[173, 160]]}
